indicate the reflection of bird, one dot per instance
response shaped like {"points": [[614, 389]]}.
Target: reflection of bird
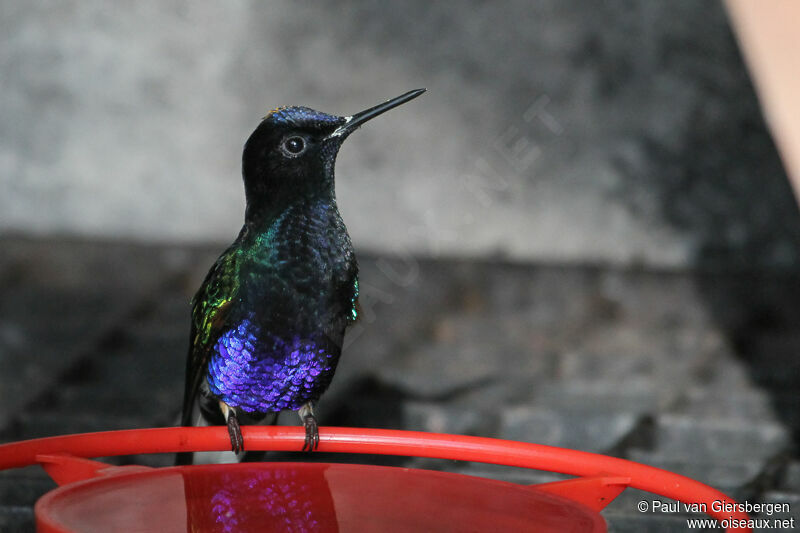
{"points": [[266, 497], [269, 319]]}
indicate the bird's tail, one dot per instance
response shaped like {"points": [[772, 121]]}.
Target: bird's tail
{"points": [[195, 418]]}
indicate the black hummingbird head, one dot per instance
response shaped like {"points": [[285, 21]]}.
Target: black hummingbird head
{"points": [[291, 154]]}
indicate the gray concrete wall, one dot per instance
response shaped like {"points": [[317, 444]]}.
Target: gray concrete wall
{"points": [[623, 132]]}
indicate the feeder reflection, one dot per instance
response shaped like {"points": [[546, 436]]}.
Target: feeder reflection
{"points": [[260, 499]]}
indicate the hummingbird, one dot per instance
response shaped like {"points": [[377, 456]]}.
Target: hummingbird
{"points": [[268, 321]]}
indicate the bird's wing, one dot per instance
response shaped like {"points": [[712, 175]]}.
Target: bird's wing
{"points": [[351, 288], [211, 307], [346, 307], [355, 309]]}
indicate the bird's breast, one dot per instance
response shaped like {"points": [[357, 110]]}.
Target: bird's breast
{"points": [[307, 248]]}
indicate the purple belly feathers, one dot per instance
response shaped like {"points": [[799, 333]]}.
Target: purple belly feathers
{"points": [[260, 373]]}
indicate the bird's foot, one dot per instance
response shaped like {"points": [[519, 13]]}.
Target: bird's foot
{"points": [[312, 433], [234, 431], [312, 428]]}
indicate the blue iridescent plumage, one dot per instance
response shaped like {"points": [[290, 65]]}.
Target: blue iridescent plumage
{"points": [[260, 376], [301, 116]]}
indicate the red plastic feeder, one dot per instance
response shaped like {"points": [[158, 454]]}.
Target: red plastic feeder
{"points": [[319, 497]]}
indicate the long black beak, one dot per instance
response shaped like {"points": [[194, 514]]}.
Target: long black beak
{"points": [[351, 123]]}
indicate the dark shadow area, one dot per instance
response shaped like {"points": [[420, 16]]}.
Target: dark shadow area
{"points": [[760, 315], [726, 188]]}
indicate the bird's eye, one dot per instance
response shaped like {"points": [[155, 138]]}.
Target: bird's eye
{"points": [[293, 146]]}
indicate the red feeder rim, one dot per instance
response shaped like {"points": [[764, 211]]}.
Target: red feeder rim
{"points": [[608, 476]]}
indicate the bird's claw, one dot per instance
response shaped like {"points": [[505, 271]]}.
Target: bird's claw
{"points": [[235, 433], [312, 433]]}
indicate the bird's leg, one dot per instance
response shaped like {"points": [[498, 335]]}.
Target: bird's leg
{"points": [[234, 431], [312, 428]]}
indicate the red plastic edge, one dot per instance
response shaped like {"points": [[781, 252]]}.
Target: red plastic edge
{"points": [[593, 492], [65, 469], [376, 441]]}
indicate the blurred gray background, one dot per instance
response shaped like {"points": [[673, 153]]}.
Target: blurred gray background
{"points": [[581, 235], [620, 132]]}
